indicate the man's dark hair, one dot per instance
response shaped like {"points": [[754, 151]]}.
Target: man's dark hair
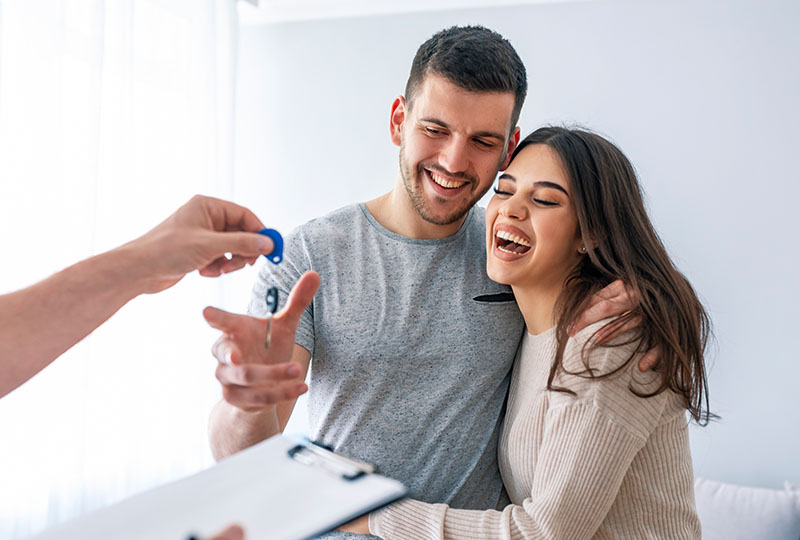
{"points": [[472, 57]]}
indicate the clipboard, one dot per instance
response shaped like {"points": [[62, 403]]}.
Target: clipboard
{"points": [[280, 489]]}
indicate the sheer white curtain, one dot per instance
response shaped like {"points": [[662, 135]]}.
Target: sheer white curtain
{"points": [[112, 114]]}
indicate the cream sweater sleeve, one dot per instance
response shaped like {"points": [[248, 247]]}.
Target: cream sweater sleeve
{"points": [[588, 444]]}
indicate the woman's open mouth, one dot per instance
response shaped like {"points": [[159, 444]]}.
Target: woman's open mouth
{"points": [[511, 243]]}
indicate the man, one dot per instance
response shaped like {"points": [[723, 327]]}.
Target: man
{"points": [[412, 343]]}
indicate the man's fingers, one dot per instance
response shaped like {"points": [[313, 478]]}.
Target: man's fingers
{"points": [[613, 300], [234, 532], [257, 374], [225, 351], [607, 334], [614, 290], [301, 296], [225, 321], [598, 312], [253, 399], [650, 359]]}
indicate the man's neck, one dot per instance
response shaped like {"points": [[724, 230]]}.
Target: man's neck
{"points": [[396, 212]]}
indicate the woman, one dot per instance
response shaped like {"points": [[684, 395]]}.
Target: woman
{"points": [[591, 447]]}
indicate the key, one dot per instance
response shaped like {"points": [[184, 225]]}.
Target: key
{"points": [[272, 307]]}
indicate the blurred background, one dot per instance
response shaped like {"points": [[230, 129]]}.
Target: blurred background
{"points": [[113, 113]]}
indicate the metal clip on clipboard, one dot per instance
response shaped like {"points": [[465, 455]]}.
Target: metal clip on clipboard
{"points": [[315, 454]]}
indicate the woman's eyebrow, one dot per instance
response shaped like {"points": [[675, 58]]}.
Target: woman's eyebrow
{"points": [[543, 183], [551, 185]]}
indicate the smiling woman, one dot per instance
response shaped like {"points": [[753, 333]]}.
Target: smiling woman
{"points": [[591, 447], [534, 238]]}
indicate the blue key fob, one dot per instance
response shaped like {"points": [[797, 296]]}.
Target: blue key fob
{"points": [[277, 240]]}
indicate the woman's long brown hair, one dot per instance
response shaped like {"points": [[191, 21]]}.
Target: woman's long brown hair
{"points": [[622, 244]]}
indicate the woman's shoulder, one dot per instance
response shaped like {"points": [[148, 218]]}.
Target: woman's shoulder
{"points": [[584, 350], [606, 376]]}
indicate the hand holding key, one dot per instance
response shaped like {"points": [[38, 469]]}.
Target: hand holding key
{"points": [[255, 376]]}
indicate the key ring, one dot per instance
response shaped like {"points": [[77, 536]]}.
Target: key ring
{"points": [[272, 307]]}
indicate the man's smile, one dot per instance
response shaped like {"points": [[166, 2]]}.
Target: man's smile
{"points": [[445, 185]]}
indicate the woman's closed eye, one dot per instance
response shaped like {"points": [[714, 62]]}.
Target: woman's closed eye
{"points": [[545, 202], [502, 193]]}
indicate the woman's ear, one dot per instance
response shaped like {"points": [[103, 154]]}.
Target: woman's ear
{"points": [[585, 244], [396, 119]]}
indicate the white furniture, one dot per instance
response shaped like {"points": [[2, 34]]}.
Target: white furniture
{"points": [[731, 512]]}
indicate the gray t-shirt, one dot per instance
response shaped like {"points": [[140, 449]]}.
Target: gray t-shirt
{"points": [[409, 372]]}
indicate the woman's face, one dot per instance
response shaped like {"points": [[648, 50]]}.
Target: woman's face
{"points": [[532, 233]]}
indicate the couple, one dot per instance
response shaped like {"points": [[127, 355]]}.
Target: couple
{"points": [[413, 344]]}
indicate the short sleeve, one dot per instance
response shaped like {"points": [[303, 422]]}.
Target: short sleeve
{"points": [[296, 261]]}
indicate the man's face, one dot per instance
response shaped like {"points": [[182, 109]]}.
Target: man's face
{"points": [[452, 143]]}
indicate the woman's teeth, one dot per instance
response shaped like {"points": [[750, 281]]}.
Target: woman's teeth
{"points": [[444, 182], [511, 243]]}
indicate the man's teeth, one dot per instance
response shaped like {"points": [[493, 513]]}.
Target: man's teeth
{"points": [[444, 182], [505, 235]]}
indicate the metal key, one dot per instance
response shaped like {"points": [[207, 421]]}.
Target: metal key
{"points": [[272, 307]]}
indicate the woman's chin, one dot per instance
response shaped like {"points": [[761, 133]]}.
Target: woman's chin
{"points": [[499, 276]]}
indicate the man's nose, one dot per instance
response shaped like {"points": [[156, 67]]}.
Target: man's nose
{"points": [[454, 157]]}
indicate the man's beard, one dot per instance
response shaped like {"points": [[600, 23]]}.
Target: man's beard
{"points": [[413, 182]]}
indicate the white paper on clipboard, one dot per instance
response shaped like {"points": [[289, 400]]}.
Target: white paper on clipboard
{"points": [[272, 494]]}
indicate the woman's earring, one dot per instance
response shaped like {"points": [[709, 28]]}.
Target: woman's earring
{"points": [[583, 249]]}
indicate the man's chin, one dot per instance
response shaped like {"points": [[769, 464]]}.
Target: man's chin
{"points": [[443, 218]]}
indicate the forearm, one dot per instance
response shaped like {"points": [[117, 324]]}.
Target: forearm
{"points": [[581, 463], [231, 429], [41, 322]]}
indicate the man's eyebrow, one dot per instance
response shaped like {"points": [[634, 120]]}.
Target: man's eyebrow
{"points": [[543, 183], [485, 134]]}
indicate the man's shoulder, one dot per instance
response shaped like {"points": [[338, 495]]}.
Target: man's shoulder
{"points": [[478, 217], [339, 221]]}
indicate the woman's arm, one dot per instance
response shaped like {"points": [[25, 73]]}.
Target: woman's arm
{"points": [[588, 444]]}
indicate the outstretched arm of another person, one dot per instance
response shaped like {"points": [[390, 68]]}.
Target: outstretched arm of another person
{"points": [[41, 322], [259, 386]]}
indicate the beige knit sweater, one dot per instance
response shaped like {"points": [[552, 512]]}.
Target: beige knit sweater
{"points": [[603, 464]]}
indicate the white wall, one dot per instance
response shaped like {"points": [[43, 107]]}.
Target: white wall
{"points": [[703, 97]]}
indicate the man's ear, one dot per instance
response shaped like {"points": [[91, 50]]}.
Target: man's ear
{"points": [[513, 141], [396, 120]]}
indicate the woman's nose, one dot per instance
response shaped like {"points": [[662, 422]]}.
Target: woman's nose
{"points": [[513, 208]]}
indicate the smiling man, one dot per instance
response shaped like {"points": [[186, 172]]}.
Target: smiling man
{"points": [[412, 343], [409, 371]]}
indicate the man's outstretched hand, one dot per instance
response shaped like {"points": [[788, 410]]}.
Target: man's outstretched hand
{"points": [[254, 377], [234, 532]]}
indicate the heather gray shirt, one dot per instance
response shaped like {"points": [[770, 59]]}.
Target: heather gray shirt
{"points": [[409, 372]]}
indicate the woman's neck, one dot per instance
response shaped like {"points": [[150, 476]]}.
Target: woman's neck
{"points": [[537, 305]]}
